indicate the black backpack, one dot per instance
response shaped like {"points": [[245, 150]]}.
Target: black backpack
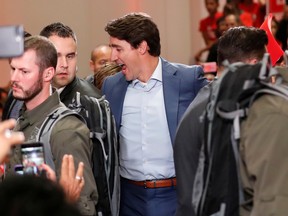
{"points": [[99, 119], [230, 99]]}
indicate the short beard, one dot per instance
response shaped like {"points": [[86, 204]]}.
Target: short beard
{"points": [[33, 91]]}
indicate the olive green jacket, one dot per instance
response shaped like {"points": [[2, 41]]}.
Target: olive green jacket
{"points": [[68, 136], [264, 157]]}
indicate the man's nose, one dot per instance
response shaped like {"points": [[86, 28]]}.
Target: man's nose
{"points": [[14, 75], [62, 61], [114, 56]]}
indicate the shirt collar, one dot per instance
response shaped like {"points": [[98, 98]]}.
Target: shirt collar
{"points": [[157, 74], [44, 108], [59, 90]]}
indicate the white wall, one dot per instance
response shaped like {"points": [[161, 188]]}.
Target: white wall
{"points": [[177, 21]]}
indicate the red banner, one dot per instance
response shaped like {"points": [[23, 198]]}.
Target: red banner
{"points": [[273, 47]]}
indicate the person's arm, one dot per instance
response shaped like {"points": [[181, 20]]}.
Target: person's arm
{"points": [[207, 40], [186, 160], [187, 146], [200, 80]]}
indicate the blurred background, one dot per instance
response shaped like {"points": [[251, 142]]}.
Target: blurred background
{"points": [[177, 20]]}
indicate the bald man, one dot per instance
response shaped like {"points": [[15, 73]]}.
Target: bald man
{"points": [[100, 56]]}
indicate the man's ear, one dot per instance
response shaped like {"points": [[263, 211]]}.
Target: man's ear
{"points": [[91, 65], [252, 61], [143, 47], [48, 74]]}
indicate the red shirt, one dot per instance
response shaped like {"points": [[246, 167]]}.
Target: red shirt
{"points": [[255, 10], [209, 24], [246, 19]]}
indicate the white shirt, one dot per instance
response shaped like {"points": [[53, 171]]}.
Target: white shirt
{"points": [[146, 150]]}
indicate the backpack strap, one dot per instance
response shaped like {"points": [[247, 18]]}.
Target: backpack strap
{"points": [[94, 116], [98, 132], [45, 130]]}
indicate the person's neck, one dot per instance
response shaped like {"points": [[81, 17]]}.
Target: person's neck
{"points": [[149, 65], [219, 71], [37, 100], [213, 14]]}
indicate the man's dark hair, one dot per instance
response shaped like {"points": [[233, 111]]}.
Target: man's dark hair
{"points": [[135, 28], [33, 196], [240, 44], [46, 53], [58, 29]]}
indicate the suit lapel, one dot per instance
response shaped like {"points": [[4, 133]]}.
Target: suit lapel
{"points": [[171, 88]]}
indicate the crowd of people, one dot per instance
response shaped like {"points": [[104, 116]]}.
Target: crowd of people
{"points": [[157, 106], [235, 13]]}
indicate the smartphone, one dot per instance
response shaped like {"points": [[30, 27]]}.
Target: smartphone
{"points": [[11, 41], [32, 157]]}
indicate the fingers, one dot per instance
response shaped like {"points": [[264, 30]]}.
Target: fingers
{"points": [[80, 170], [82, 183], [50, 174], [10, 136], [80, 173], [71, 182], [64, 167], [68, 167], [16, 138], [71, 167], [8, 124]]}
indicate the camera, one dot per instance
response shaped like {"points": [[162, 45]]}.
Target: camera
{"points": [[11, 41], [32, 158]]}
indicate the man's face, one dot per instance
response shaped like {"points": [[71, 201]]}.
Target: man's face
{"points": [[211, 6], [231, 21], [222, 27], [285, 13], [26, 79], [124, 53], [101, 57], [67, 60]]}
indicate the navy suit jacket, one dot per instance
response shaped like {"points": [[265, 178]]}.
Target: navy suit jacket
{"points": [[181, 84]]}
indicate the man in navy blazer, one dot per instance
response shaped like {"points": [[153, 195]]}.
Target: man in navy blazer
{"points": [[148, 98]]}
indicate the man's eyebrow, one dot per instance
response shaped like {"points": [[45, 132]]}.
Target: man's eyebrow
{"points": [[114, 46], [71, 53], [21, 69]]}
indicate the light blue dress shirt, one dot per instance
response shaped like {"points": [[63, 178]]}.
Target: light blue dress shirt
{"points": [[146, 150]]}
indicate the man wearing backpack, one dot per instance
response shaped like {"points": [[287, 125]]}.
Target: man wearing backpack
{"points": [[94, 110], [148, 99], [31, 76], [239, 44], [263, 155]]}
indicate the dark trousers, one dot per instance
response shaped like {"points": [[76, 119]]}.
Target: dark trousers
{"points": [[140, 201]]}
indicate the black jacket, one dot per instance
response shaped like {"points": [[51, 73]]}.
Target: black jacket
{"points": [[78, 85]]}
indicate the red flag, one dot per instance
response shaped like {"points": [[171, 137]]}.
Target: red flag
{"points": [[273, 47]]}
